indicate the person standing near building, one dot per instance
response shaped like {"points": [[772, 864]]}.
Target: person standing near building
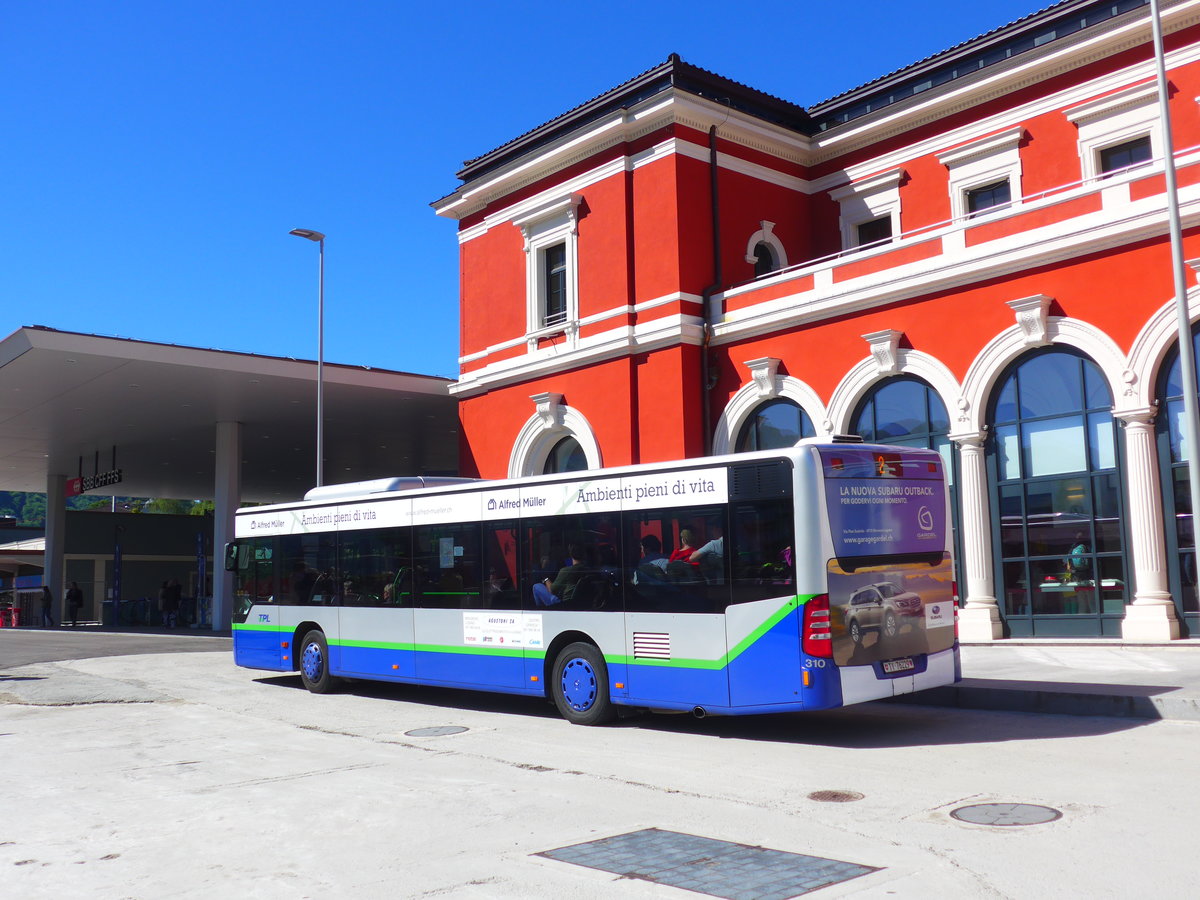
{"points": [[47, 608], [74, 601]]}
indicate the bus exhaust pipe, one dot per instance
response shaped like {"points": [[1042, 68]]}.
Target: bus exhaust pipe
{"points": [[699, 712]]}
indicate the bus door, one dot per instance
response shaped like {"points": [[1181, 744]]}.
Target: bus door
{"points": [[376, 608], [464, 635], [762, 620]]}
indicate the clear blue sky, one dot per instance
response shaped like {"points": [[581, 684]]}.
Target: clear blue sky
{"points": [[156, 154]]}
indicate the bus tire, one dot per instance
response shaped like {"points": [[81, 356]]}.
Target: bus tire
{"points": [[580, 685], [314, 663], [891, 625]]}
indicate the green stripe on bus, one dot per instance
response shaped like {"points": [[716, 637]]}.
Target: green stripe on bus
{"points": [[725, 659], [712, 664]]}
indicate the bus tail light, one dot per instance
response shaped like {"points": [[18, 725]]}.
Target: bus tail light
{"points": [[817, 637]]}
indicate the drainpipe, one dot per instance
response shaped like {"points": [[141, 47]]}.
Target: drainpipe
{"points": [[706, 298]]}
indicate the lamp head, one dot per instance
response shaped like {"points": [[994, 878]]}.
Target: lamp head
{"points": [[308, 234]]}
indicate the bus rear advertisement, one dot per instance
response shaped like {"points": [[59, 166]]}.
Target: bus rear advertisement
{"points": [[798, 579]]}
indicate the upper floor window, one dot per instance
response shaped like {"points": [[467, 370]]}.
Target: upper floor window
{"points": [[870, 209], [1126, 154], [1118, 130], [988, 196], [551, 270], [875, 231], [764, 260], [985, 174], [554, 289]]}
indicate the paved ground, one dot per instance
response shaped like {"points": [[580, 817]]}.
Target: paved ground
{"points": [[180, 775]]}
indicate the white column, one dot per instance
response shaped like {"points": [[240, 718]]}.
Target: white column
{"points": [[56, 532], [227, 495], [1151, 616], [979, 620]]}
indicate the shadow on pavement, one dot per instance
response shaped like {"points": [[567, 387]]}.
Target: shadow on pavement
{"points": [[864, 726]]}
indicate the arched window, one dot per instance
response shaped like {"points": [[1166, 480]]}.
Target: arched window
{"points": [[774, 424], [565, 456], [1056, 497], [1174, 457], [765, 261], [905, 410]]}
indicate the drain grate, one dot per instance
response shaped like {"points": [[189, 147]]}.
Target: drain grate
{"points": [[436, 731], [708, 866], [1006, 814]]}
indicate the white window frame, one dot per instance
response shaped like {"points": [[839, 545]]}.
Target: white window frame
{"points": [[981, 162], [1128, 114], [876, 197], [556, 222]]}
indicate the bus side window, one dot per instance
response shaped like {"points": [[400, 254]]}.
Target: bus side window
{"points": [[501, 569], [372, 566], [447, 564], [762, 543]]}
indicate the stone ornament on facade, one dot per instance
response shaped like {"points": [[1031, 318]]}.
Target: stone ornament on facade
{"points": [[548, 410], [885, 349], [762, 371], [1032, 318]]}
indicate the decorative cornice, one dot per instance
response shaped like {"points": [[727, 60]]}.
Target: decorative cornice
{"points": [[1005, 140]]}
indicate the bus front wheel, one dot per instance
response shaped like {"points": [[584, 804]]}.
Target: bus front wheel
{"points": [[580, 685], [314, 663]]}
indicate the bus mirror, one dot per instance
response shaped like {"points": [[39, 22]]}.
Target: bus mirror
{"points": [[231, 557]]}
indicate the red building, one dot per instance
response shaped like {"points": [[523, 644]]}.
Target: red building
{"points": [[970, 254]]}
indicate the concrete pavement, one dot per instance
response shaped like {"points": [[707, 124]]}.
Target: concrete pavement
{"points": [[1089, 677], [1077, 677]]}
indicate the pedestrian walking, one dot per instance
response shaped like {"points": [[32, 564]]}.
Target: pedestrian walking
{"points": [[47, 608], [74, 602]]}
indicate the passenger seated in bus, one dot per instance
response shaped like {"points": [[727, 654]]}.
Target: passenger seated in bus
{"points": [[687, 546], [711, 557], [552, 593], [652, 567]]}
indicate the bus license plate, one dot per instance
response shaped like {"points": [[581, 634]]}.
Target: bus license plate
{"points": [[891, 666]]}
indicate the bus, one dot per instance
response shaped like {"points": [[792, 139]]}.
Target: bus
{"points": [[799, 579]]}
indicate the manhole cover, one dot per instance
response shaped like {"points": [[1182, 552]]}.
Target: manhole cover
{"points": [[1006, 814], [835, 796], [436, 731]]}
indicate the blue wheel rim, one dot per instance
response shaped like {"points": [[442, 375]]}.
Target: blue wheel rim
{"points": [[313, 662], [579, 685]]}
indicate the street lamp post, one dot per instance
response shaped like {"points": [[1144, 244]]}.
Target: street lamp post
{"points": [[311, 235]]}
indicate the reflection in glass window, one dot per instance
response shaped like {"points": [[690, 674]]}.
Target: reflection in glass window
{"points": [[567, 456], [1056, 494], [775, 424], [1177, 502]]}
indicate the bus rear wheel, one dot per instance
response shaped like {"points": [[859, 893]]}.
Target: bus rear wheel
{"points": [[580, 685], [314, 663]]}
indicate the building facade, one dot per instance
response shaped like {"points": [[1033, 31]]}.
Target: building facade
{"points": [[970, 254]]}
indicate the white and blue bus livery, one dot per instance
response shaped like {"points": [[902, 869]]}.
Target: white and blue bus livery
{"points": [[798, 579]]}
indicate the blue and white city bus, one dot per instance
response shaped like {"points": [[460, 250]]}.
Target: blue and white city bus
{"points": [[798, 579]]}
